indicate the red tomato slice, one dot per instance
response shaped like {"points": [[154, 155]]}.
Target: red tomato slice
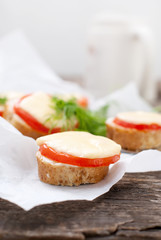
{"points": [[61, 157], [1, 113], [140, 127], [30, 120], [83, 102]]}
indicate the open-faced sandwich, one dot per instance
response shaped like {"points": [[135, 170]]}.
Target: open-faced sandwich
{"points": [[74, 158], [39, 114], [34, 116], [135, 130]]}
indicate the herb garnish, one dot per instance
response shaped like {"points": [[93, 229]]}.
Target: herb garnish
{"points": [[75, 117], [3, 100]]}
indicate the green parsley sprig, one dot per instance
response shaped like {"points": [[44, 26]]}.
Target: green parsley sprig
{"points": [[75, 117], [3, 100]]}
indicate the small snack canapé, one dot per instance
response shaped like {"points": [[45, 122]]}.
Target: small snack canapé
{"points": [[29, 113], [34, 116], [135, 130], [74, 158]]}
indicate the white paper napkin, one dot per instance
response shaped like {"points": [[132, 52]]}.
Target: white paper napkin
{"points": [[22, 69], [124, 99], [19, 182], [145, 161]]}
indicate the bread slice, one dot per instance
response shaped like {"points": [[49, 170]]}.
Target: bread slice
{"points": [[67, 175], [132, 139], [18, 123]]}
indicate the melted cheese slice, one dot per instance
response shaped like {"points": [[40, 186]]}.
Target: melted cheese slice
{"points": [[81, 144], [140, 117], [38, 105]]}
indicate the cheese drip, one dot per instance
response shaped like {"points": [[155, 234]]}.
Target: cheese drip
{"points": [[81, 144]]}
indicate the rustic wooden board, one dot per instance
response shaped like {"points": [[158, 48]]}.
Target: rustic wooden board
{"points": [[131, 210]]}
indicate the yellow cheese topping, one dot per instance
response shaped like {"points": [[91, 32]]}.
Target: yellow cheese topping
{"points": [[38, 105], [140, 117], [81, 144]]}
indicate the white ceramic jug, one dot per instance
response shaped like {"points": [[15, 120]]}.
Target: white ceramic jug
{"points": [[120, 50]]}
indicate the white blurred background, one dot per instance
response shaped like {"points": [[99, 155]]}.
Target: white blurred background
{"points": [[58, 28]]}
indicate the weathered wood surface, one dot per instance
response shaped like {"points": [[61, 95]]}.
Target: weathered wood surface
{"points": [[131, 210]]}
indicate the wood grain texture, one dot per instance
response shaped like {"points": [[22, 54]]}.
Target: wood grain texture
{"points": [[131, 210]]}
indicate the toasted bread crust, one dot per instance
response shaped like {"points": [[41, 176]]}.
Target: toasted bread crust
{"points": [[132, 139], [67, 175], [25, 129]]}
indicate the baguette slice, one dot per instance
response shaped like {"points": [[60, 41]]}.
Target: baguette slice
{"points": [[38, 106], [77, 144], [132, 139], [68, 175]]}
